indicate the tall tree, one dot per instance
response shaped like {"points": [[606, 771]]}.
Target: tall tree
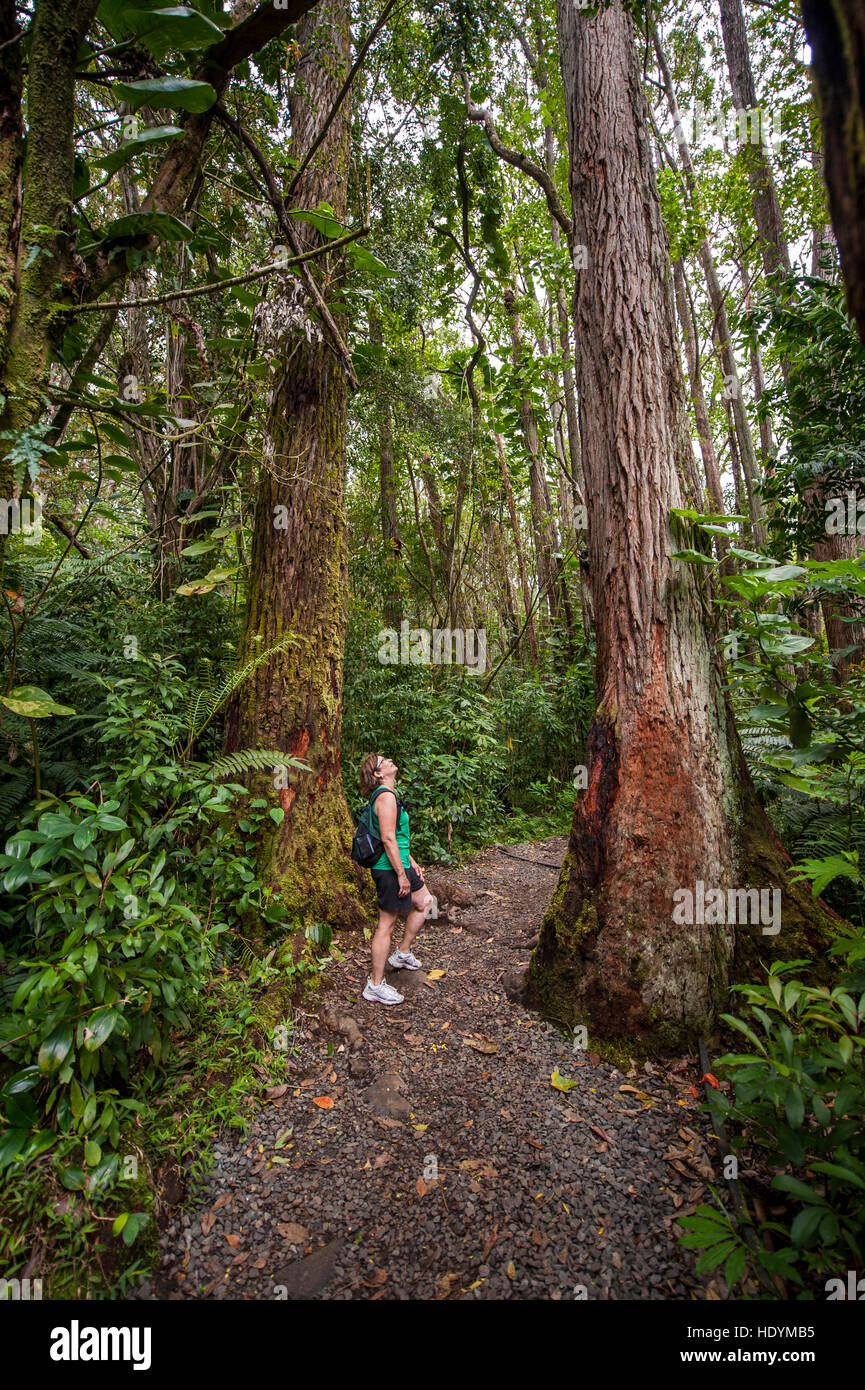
{"points": [[299, 562], [836, 33], [669, 800]]}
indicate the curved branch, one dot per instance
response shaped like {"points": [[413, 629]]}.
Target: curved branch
{"points": [[519, 161]]}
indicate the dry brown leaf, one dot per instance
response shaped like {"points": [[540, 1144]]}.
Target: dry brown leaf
{"points": [[292, 1231], [233, 1241], [421, 1188], [484, 1045], [323, 1102], [444, 1285], [510, 1270], [207, 1221], [222, 1201], [274, 1092]]}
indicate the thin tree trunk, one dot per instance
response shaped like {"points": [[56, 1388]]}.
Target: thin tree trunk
{"points": [[767, 211], [518, 546], [543, 526], [720, 324], [698, 398]]}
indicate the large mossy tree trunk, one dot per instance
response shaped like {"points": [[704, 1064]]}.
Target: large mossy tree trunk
{"points": [[299, 565], [37, 269], [669, 800]]}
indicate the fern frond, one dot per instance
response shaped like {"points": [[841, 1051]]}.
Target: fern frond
{"points": [[224, 692], [257, 759]]}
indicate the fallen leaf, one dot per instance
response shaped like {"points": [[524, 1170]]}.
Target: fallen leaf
{"points": [[444, 1285], [292, 1231], [711, 1080], [233, 1241], [510, 1270], [421, 1188], [376, 1277], [323, 1102], [561, 1083], [207, 1221], [436, 974], [601, 1133], [222, 1201], [484, 1045], [481, 1166], [274, 1092]]}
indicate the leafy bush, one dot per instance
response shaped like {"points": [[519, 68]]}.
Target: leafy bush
{"points": [[799, 1105]]}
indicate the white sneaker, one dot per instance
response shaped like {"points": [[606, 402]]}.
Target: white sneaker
{"points": [[381, 994], [404, 960]]}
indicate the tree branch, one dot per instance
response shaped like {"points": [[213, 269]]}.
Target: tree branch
{"points": [[277, 202], [215, 285], [519, 161]]}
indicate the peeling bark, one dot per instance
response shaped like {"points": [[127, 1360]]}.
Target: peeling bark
{"points": [[669, 800]]}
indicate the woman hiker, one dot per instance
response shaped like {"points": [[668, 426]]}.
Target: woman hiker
{"points": [[398, 879]]}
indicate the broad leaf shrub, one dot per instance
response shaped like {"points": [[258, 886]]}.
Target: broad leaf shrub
{"points": [[120, 905], [798, 1108]]}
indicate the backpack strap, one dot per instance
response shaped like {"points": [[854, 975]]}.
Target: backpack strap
{"points": [[393, 793]]}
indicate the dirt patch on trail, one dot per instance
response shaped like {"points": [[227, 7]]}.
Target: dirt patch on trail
{"points": [[448, 1165]]}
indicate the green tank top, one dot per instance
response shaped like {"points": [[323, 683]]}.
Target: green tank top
{"points": [[402, 837]]}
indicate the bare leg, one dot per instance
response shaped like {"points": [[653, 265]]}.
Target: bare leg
{"points": [[413, 923], [381, 945], [415, 919]]}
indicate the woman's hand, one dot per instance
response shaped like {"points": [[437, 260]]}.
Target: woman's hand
{"points": [[404, 885], [416, 866]]}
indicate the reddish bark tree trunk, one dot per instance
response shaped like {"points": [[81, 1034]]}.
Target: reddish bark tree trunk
{"points": [[669, 801]]}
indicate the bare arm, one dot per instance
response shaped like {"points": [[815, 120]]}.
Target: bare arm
{"points": [[386, 812]]}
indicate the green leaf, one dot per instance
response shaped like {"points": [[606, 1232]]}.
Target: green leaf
{"points": [[805, 1224], [133, 1225], [32, 703], [158, 224], [693, 557], [177, 93], [154, 135], [99, 1027], [55, 1048], [92, 1153], [199, 548], [715, 1256], [12, 1142], [276, 814], [120, 1222], [794, 1105], [178, 28], [735, 1266]]}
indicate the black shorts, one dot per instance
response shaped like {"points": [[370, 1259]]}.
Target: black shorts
{"points": [[387, 887]]}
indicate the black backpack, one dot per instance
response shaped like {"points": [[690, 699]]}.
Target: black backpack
{"points": [[366, 846]]}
